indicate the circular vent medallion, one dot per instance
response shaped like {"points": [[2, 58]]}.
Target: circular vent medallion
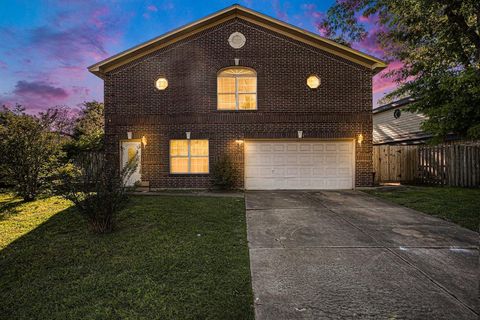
{"points": [[237, 40]]}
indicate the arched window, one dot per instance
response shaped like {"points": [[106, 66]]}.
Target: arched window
{"points": [[237, 89]]}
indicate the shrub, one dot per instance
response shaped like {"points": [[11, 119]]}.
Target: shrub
{"points": [[29, 152], [224, 173], [96, 188]]}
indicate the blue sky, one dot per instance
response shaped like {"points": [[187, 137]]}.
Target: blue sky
{"points": [[48, 45]]}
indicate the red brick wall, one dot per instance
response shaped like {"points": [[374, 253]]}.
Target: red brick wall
{"points": [[340, 108]]}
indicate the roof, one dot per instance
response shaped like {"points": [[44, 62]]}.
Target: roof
{"points": [[394, 104], [236, 11]]}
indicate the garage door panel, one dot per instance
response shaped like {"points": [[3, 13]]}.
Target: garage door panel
{"points": [[299, 165], [331, 147], [305, 159], [344, 147], [318, 147]]}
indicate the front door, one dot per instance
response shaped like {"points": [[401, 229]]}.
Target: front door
{"points": [[131, 150]]}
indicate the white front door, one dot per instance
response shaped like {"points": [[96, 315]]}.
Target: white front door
{"points": [[271, 165], [131, 150]]}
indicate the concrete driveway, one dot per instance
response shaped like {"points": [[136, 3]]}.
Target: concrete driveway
{"points": [[345, 255]]}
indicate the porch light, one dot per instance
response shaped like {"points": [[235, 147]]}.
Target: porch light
{"points": [[144, 141], [239, 141], [300, 134], [360, 138], [129, 135], [188, 135]]}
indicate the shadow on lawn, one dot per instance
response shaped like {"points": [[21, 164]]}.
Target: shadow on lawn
{"points": [[153, 266], [9, 207]]}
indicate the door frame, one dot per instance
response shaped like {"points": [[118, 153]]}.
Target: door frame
{"points": [[352, 140]]}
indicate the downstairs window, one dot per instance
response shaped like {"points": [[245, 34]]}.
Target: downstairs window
{"points": [[188, 156]]}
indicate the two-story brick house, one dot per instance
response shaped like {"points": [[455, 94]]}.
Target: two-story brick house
{"points": [[293, 109]]}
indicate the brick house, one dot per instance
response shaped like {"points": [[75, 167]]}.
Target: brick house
{"points": [[292, 109]]}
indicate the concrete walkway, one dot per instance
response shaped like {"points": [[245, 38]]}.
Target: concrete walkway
{"points": [[347, 255]]}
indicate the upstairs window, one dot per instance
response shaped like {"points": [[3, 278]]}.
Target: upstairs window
{"points": [[237, 89]]}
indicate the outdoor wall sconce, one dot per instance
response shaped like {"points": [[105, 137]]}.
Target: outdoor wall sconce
{"points": [[129, 135], [300, 134], [239, 141], [188, 135], [360, 138], [144, 141]]}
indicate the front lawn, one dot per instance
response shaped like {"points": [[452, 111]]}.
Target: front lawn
{"points": [[458, 205], [170, 257]]}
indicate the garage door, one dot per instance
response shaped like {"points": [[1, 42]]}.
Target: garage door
{"points": [[271, 165]]}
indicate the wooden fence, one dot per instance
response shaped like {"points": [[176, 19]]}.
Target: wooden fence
{"points": [[451, 165], [394, 163]]}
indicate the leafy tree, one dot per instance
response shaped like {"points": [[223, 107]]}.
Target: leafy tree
{"points": [[439, 45], [87, 131], [29, 152], [60, 120]]}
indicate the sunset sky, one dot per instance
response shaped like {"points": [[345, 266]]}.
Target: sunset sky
{"points": [[46, 46]]}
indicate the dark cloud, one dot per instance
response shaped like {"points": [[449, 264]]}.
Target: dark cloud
{"points": [[40, 89]]}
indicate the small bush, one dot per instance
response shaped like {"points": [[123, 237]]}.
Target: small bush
{"points": [[96, 188], [224, 173]]}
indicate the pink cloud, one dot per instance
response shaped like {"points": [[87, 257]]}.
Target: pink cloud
{"points": [[311, 12], [98, 17], [35, 95], [3, 65], [370, 44], [280, 12], [152, 8], [39, 89], [383, 84]]}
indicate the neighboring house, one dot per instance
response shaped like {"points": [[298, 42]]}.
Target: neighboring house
{"points": [[292, 109], [393, 124]]}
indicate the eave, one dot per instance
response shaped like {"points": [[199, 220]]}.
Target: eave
{"points": [[232, 12]]}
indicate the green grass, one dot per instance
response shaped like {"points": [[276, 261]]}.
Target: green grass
{"points": [[170, 257], [458, 205]]}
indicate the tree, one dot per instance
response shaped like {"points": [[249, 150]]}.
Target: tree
{"points": [[59, 119], [29, 152], [438, 43], [87, 130]]}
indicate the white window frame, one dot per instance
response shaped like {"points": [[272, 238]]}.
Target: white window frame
{"points": [[189, 156], [237, 100]]}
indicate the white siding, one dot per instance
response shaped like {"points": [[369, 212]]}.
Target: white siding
{"points": [[386, 128]]}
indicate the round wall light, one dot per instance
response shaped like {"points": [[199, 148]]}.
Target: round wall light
{"points": [[161, 83], [313, 82]]}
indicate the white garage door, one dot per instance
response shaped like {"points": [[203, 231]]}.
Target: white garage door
{"points": [[271, 165]]}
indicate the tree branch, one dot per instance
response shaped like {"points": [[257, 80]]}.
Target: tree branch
{"points": [[459, 21]]}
